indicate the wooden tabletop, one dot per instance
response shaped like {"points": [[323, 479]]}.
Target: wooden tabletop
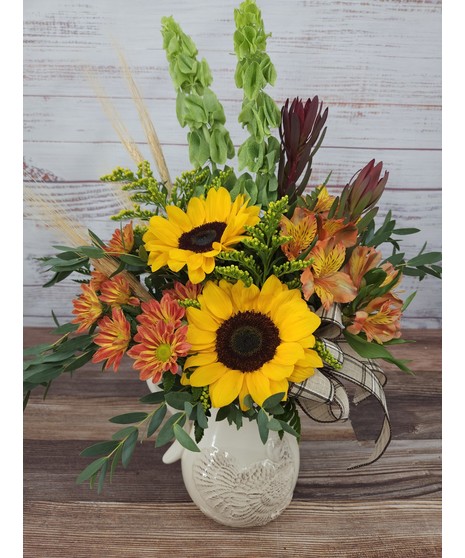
{"points": [[389, 509]]}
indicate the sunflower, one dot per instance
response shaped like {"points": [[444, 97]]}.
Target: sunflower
{"points": [[194, 238], [250, 341]]}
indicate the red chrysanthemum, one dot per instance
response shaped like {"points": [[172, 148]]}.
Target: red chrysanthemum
{"points": [[87, 308], [167, 310], [121, 242], [117, 291]]}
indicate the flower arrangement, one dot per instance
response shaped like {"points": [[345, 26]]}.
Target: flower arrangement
{"points": [[242, 290]]}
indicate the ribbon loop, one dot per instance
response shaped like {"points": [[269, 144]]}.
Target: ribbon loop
{"points": [[323, 396]]}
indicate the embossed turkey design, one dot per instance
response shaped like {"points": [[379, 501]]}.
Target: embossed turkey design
{"points": [[245, 496]]}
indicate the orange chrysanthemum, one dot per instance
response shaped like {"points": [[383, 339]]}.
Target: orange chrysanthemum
{"points": [[116, 291], [97, 278], [87, 308], [113, 339], [158, 349], [324, 277], [167, 310], [122, 241], [189, 291]]}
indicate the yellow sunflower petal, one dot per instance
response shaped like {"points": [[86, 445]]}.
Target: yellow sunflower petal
{"points": [[288, 353], [201, 319], [259, 386], [216, 301], [196, 212], [218, 205], [206, 375], [225, 390], [301, 374], [201, 359], [208, 265], [196, 336], [280, 386], [311, 359], [196, 276], [243, 297], [177, 216], [277, 372]]}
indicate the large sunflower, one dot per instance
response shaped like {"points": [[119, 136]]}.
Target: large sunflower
{"points": [[194, 238], [250, 341]]}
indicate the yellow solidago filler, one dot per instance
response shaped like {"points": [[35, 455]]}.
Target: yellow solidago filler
{"points": [[195, 237], [250, 341]]}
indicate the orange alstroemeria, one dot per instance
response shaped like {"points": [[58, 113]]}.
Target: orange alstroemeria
{"points": [[117, 291], [122, 241], [379, 320], [87, 308], [362, 260], [302, 227], [113, 339], [324, 201], [338, 230], [323, 276]]}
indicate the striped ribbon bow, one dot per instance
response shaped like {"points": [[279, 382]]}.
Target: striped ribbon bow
{"points": [[323, 396]]}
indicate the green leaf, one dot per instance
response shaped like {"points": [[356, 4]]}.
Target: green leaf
{"points": [[65, 328], [177, 399], [101, 478], [153, 398], [132, 260], [169, 380], [262, 421], [95, 239], [90, 470], [272, 401], [129, 418], [274, 424], [128, 448], [424, 259], [124, 433], [288, 428], [184, 439], [36, 349], [156, 420], [101, 448], [406, 231], [79, 361], [92, 251], [408, 300], [373, 350], [202, 420], [166, 433], [116, 459]]}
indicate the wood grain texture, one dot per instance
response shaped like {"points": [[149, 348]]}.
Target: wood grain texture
{"points": [[391, 509], [377, 65]]}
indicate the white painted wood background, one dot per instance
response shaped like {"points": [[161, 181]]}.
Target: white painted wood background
{"points": [[376, 64]]}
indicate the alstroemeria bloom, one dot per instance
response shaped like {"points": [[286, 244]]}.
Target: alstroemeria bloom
{"points": [[338, 230], [302, 228], [117, 291], [362, 260], [324, 201], [121, 242], [323, 276], [113, 339], [379, 320], [87, 308]]}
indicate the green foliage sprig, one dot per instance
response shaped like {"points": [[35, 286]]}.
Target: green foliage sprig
{"points": [[197, 106]]}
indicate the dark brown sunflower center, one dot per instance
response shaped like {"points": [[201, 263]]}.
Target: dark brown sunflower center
{"points": [[201, 238], [246, 341]]}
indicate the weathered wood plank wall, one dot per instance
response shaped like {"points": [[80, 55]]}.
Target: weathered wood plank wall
{"points": [[377, 65]]}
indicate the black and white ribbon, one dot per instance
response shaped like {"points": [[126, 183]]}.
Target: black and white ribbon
{"points": [[323, 396]]}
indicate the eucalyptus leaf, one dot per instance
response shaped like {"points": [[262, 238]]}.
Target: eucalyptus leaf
{"points": [[262, 422], [90, 470], [156, 420], [128, 448], [184, 439], [129, 418], [101, 448]]}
